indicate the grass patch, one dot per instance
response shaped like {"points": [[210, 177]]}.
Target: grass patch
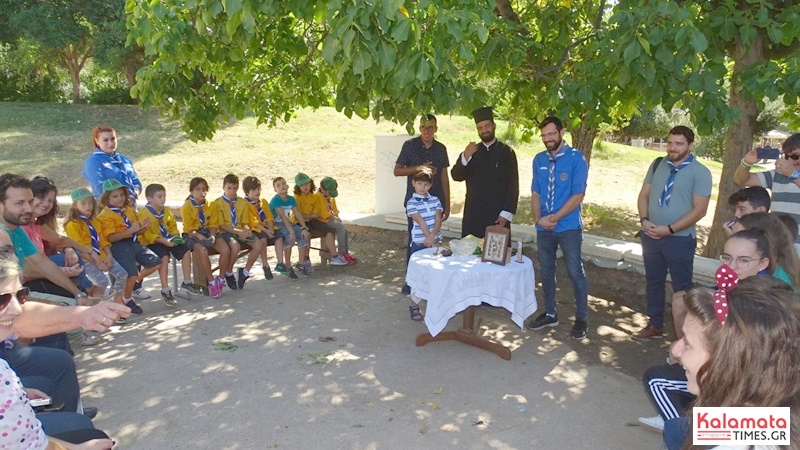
{"points": [[55, 139]]}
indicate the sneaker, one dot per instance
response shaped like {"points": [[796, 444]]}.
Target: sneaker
{"points": [[267, 272], [121, 321], [220, 283], [579, 329], [655, 422], [307, 266], [543, 321], [140, 293], [350, 258], [214, 289], [648, 332], [169, 299], [135, 309], [301, 269], [242, 278], [191, 288], [231, 280], [338, 261], [281, 268], [292, 274]]}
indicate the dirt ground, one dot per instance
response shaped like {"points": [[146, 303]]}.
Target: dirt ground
{"points": [[616, 298]]}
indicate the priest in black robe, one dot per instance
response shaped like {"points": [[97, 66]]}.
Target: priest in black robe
{"points": [[490, 170]]}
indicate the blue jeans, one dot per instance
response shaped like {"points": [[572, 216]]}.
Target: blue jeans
{"points": [[570, 243], [54, 364], [673, 254], [83, 281]]}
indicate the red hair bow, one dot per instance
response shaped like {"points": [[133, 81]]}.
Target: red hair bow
{"points": [[726, 280]]}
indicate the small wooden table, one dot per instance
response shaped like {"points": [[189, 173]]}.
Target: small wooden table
{"points": [[454, 284]]}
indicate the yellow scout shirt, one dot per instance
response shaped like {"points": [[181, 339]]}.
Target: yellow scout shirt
{"points": [[78, 231], [191, 216], [242, 212], [153, 232]]}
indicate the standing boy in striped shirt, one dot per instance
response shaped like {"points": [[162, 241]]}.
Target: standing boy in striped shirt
{"points": [[425, 211]]}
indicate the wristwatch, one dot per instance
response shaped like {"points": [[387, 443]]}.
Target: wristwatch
{"points": [[795, 175]]}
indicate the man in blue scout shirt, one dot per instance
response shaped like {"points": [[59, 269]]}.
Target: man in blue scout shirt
{"points": [[557, 190]]}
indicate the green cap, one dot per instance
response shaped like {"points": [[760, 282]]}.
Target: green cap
{"points": [[112, 184], [80, 194], [330, 185], [301, 179]]}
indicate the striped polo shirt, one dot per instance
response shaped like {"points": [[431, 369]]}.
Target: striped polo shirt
{"points": [[425, 207], [785, 195]]}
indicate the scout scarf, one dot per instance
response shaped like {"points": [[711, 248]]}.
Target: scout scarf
{"points": [[160, 217], [232, 204], [127, 221], [663, 201], [261, 214], [551, 179], [92, 232]]}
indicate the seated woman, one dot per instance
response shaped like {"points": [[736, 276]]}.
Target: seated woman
{"points": [[756, 322], [41, 231], [747, 253], [16, 407], [783, 255]]}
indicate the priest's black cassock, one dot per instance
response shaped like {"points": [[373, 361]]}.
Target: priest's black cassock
{"points": [[492, 186]]}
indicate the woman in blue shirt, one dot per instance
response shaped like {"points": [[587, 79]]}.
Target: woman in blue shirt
{"points": [[106, 163]]}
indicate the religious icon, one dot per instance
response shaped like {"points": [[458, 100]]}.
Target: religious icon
{"points": [[495, 244]]}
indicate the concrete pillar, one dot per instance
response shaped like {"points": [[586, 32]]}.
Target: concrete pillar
{"points": [[389, 189]]}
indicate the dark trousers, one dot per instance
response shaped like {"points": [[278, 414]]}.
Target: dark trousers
{"points": [[665, 386], [670, 254], [51, 363]]}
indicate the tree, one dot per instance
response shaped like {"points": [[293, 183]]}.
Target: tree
{"points": [[719, 59], [63, 30], [647, 123], [111, 49]]}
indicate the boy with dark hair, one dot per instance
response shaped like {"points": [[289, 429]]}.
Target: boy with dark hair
{"points": [[283, 206], [425, 210], [262, 222], [234, 225], [163, 238], [747, 201]]}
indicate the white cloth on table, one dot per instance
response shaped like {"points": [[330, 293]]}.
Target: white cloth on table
{"points": [[451, 284]]}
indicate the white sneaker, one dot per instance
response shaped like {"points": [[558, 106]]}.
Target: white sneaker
{"points": [[141, 294], [338, 260], [655, 422]]}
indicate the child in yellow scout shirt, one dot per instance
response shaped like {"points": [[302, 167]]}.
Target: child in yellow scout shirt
{"points": [[262, 222], [328, 191], [234, 225], [163, 239], [81, 225], [200, 226], [120, 226], [311, 206]]}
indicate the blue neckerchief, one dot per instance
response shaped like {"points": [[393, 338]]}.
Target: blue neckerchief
{"points": [[92, 232], [663, 201], [160, 217], [200, 214], [261, 214], [116, 159], [127, 221], [551, 180], [232, 205]]}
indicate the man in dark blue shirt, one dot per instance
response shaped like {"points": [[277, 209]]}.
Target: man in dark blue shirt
{"points": [[424, 151]]}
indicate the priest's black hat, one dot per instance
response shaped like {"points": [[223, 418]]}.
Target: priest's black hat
{"points": [[483, 113]]}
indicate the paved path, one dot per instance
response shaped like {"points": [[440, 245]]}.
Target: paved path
{"points": [[160, 383]]}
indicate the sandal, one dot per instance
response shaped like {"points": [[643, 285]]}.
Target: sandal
{"points": [[415, 314]]}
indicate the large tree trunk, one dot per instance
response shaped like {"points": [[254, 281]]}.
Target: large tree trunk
{"points": [[74, 57], [583, 140], [738, 140]]}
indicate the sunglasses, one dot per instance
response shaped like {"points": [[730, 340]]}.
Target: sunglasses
{"points": [[794, 157], [21, 295]]}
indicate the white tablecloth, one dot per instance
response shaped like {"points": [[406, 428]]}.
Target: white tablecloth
{"points": [[453, 283]]}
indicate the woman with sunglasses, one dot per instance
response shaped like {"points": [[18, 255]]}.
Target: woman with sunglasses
{"points": [[783, 181], [19, 426]]}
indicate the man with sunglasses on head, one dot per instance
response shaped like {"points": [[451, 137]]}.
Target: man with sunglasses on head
{"points": [[784, 181]]}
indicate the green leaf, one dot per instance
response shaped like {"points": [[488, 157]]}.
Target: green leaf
{"points": [[347, 42], [775, 34], [330, 47], [728, 30], [631, 52], [645, 44], [224, 345], [698, 41], [232, 7], [386, 57], [454, 29], [424, 70], [747, 33], [361, 62], [664, 55], [401, 29], [465, 51]]}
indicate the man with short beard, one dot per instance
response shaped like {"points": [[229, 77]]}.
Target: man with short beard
{"points": [[557, 190], [490, 171], [681, 188]]}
